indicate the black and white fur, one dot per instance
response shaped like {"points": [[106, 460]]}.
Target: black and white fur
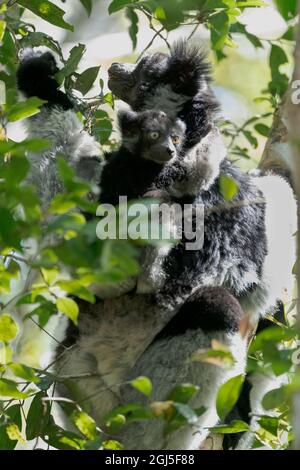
{"points": [[153, 83], [102, 346], [243, 253]]}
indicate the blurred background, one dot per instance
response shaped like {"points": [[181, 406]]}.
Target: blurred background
{"points": [[238, 80]]}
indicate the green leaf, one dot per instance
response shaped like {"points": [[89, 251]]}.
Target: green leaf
{"points": [[115, 423], [270, 424], [133, 28], [24, 372], [47, 11], [88, 5], [86, 80], [240, 28], [61, 205], [280, 81], [44, 311], [117, 5], [24, 109], [251, 139], [38, 416], [143, 385], [8, 328], [186, 412], [19, 148], [160, 13], [102, 126], [273, 334], [13, 414], [262, 129], [69, 308], [276, 398], [75, 56], [287, 8], [50, 275], [219, 24], [234, 427], [127, 413], [289, 35], [218, 357], [6, 354], [183, 393], [228, 395], [112, 445], [85, 424], [14, 433], [9, 230], [75, 288], [63, 440], [14, 171], [9, 389], [36, 38], [108, 98], [2, 29], [66, 172], [228, 187], [251, 3]]}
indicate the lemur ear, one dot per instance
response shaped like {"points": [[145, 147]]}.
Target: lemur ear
{"points": [[188, 69], [127, 120]]}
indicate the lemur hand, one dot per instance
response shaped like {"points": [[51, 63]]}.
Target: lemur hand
{"points": [[201, 165]]}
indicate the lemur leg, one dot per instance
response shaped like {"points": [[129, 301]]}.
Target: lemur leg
{"points": [[208, 314], [112, 335]]}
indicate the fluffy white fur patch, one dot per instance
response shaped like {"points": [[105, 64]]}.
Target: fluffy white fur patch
{"points": [[280, 225]]}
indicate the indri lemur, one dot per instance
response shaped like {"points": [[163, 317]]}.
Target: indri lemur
{"points": [[179, 85], [169, 83]]}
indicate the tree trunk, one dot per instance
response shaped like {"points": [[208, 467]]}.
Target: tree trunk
{"points": [[293, 112]]}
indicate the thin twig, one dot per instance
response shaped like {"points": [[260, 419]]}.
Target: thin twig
{"points": [[193, 31], [150, 43], [11, 3], [234, 205], [47, 333]]}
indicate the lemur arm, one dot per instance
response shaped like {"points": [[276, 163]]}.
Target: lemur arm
{"points": [[195, 171], [200, 166]]}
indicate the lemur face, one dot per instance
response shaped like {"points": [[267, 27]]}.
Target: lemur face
{"points": [[184, 72], [152, 135]]}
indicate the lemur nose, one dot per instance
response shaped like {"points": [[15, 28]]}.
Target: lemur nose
{"points": [[170, 152]]}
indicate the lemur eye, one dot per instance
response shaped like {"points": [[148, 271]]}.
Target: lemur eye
{"points": [[154, 135], [176, 140]]}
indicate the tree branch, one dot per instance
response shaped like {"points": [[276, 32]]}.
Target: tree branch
{"points": [[293, 112]]}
